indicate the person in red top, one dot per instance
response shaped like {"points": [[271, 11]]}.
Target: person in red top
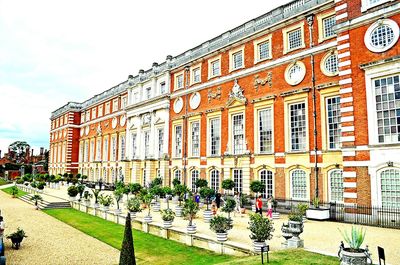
{"points": [[259, 205]]}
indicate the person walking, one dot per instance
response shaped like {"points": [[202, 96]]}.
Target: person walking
{"points": [[237, 201], [2, 227], [259, 204], [218, 200], [269, 204]]}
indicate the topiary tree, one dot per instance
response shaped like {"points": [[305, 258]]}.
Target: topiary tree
{"points": [[200, 183], [118, 193], [229, 206], [257, 186], [228, 184], [127, 256], [206, 193], [190, 210], [167, 192], [176, 182], [157, 192], [81, 189], [156, 182], [180, 190], [135, 188]]}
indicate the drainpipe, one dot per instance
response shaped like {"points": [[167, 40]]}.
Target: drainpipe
{"points": [[185, 130], [310, 22]]}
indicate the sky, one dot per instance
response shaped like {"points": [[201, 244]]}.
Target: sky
{"points": [[53, 52]]}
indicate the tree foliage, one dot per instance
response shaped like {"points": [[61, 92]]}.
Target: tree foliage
{"points": [[127, 256]]}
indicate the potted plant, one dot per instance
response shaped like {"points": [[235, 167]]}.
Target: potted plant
{"points": [[14, 191], [354, 254], [244, 201], [17, 237], [87, 196], [317, 212], [302, 207], [220, 225], [228, 184], [96, 193], [179, 190], [36, 198], [118, 194], [134, 206], [206, 193], [156, 182], [135, 188], [167, 193], [157, 192], [256, 187], [168, 216], [261, 229], [106, 201], [81, 189], [147, 200], [201, 183], [190, 210], [175, 182], [40, 186], [72, 192], [229, 206], [295, 228]]}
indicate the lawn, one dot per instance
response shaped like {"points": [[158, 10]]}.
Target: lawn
{"points": [[156, 250], [3, 182], [20, 192]]}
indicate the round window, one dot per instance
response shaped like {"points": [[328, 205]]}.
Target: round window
{"points": [[195, 100], [330, 64], [382, 35], [178, 105], [295, 73]]}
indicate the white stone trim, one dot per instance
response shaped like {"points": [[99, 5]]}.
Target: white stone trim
{"points": [[344, 63], [344, 54], [356, 163], [346, 90], [341, 16], [343, 46], [347, 129], [349, 174], [350, 195], [388, 22], [347, 139], [346, 100], [349, 184], [348, 153], [346, 109], [343, 37], [345, 81], [345, 72], [341, 7]]}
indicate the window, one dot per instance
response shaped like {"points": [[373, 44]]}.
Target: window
{"points": [[91, 150], [146, 141], [81, 149], [148, 92], [238, 134], [114, 148], [298, 184], [330, 64], [133, 142], [214, 68], [179, 81], [215, 136], [382, 35], [390, 188], [263, 50], [195, 139], [266, 180], [98, 152], [178, 141], [294, 39], [113, 176], [214, 183], [195, 177], [115, 105], [387, 97], [265, 130], [336, 186], [177, 175], [237, 60], [328, 26], [238, 179], [124, 102], [122, 139], [144, 177], [87, 116], [333, 122], [196, 75], [298, 127], [107, 110], [162, 88], [100, 110], [295, 73], [94, 113], [366, 4], [160, 133], [105, 151], [136, 97]]}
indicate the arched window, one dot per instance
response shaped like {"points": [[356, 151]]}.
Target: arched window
{"points": [[390, 188], [335, 185], [195, 177], [298, 184], [214, 179], [113, 180], [177, 175], [266, 179]]}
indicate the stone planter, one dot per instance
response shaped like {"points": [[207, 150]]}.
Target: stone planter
{"points": [[175, 199], [167, 224], [156, 207], [133, 215], [178, 211], [258, 245], [201, 204], [87, 203], [318, 213], [207, 215], [72, 199], [275, 215], [148, 219], [353, 258], [295, 228], [106, 208], [117, 211], [222, 237], [191, 229]]}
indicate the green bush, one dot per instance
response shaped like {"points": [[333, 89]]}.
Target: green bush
{"points": [[229, 206], [167, 215], [176, 181], [105, 200], [228, 184], [206, 193], [261, 228], [190, 209], [356, 237], [72, 191], [200, 183], [14, 191], [134, 205], [257, 186], [220, 224]]}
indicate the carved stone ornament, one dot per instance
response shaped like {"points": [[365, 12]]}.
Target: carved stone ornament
{"points": [[262, 82], [146, 119], [214, 94], [236, 94], [98, 130]]}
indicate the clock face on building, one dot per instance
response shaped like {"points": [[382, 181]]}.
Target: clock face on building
{"points": [[122, 120], [114, 122], [87, 130], [195, 100], [178, 105]]}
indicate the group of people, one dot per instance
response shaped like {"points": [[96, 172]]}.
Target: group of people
{"points": [[259, 205]]}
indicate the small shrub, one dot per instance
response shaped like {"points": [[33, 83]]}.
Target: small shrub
{"points": [[261, 228], [106, 200], [72, 191], [302, 207], [14, 191], [355, 239], [134, 205], [220, 224], [167, 215]]}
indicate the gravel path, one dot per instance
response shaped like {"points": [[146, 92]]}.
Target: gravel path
{"points": [[50, 241]]}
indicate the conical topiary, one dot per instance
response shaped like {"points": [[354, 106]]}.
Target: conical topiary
{"points": [[127, 256]]}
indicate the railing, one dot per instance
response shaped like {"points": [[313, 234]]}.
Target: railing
{"points": [[355, 214]]}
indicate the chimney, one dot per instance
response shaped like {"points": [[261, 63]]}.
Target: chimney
{"points": [[41, 151], [32, 153]]}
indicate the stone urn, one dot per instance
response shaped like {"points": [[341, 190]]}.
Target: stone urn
{"points": [[350, 256], [295, 228], [222, 237], [156, 207], [148, 219], [167, 224], [191, 229], [178, 210], [133, 214], [207, 215], [258, 245]]}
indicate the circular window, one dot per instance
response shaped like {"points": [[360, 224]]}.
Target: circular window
{"points": [[382, 35], [295, 73], [178, 105], [82, 131], [114, 122], [87, 130], [195, 100], [330, 64], [122, 120]]}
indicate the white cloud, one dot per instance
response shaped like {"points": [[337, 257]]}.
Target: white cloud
{"points": [[52, 52]]}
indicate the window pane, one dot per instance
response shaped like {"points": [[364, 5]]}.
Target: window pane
{"points": [[237, 60], [266, 179], [265, 130], [215, 136], [390, 188], [195, 177], [331, 64], [333, 122], [298, 127], [214, 180], [328, 24], [299, 184], [336, 185], [178, 141], [382, 36], [238, 179], [160, 142], [195, 139], [238, 134], [263, 50], [294, 39]]}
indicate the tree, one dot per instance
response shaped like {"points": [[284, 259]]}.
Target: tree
{"points": [[200, 183], [127, 256], [118, 193], [206, 193], [229, 206], [19, 148], [135, 188], [228, 184], [256, 186]]}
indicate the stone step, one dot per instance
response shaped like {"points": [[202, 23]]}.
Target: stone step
{"points": [[45, 204]]}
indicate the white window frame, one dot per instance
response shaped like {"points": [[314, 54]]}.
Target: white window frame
{"points": [[292, 188], [330, 172], [323, 61], [163, 88], [286, 32], [113, 148], [215, 185], [160, 141], [122, 143], [243, 144], [257, 43], [289, 127], [291, 81], [146, 143], [232, 54], [134, 144], [148, 92], [194, 176], [193, 151], [178, 175], [366, 4], [100, 112], [218, 148], [105, 149], [216, 59], [268, 173], [239, 183], [115, 106], [379, 183], [327, 124], [175, 146], [177, 76], [321, 26], [192, 74], [98, 149], [258, 132], [107, 108], [388, 22]]}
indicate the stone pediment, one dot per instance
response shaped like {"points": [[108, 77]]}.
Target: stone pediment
{"points": [[236, 97]]}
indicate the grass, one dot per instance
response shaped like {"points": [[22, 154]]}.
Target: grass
{"points": [[3, 182], [20, 192], [149, 249]]}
